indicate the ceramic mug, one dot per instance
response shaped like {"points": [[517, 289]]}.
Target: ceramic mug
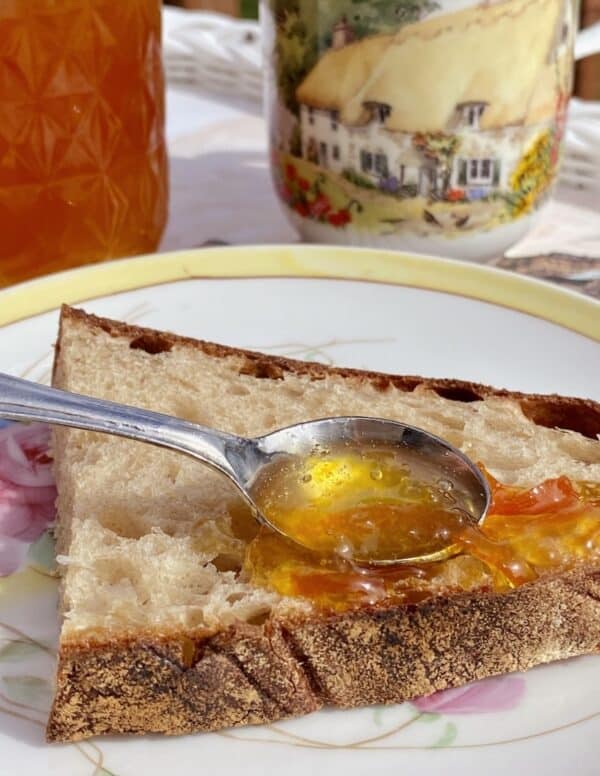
{"points": [[424, 125]]}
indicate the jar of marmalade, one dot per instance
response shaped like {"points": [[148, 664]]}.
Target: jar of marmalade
{"points": [[83, 163]]}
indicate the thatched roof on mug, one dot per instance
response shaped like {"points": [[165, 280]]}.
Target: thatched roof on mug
{"points": [[501, 54]]}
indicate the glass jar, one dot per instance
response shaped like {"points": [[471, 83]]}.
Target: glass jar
{"points": [[83, 163]]}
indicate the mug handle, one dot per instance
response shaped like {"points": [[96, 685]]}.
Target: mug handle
{"points": [[587, 42]]}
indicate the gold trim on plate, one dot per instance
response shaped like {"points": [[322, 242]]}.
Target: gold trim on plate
{"points": [[533, 297]]}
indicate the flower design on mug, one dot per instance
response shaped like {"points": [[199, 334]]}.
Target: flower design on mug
{"points": [[309, 200], [27, 491]]}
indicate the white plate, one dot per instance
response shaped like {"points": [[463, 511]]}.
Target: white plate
{"points": [[421, 316]]}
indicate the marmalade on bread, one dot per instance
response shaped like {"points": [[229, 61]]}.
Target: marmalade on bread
{"points": [[378, 507], [375, 503]]}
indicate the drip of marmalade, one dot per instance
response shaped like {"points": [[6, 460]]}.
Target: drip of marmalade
{"points": [[345, 506]]}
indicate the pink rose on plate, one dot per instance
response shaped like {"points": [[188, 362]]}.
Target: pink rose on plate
{"points": [[501, 693], [27, 491]]}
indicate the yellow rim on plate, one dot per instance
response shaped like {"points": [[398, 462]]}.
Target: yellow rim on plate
{"points": [[568, 309]]}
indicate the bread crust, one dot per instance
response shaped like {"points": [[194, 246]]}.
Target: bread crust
{"points": [[551, 410], [250, 674], [257, 674]]}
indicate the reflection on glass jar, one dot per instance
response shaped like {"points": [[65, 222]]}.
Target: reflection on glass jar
{"points": [[83, 164]]}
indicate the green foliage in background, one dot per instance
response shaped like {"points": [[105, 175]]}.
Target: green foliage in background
{"points": [[249, 9]]}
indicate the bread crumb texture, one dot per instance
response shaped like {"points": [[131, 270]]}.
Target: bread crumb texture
{"points": [[152, 540]]}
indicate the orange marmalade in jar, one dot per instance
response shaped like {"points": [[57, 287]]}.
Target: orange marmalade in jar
{"points": [[83, 164]]}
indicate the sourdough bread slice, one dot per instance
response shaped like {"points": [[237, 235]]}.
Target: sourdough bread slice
{"points": [[162, 633]]}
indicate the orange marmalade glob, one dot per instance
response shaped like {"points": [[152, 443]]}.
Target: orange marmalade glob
{"points": [[345, 507]]}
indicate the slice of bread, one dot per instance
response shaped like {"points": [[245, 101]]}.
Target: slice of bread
{"points": [[161, 631]]}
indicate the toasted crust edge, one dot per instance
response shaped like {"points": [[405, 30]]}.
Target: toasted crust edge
{"points": [[258, 674]]}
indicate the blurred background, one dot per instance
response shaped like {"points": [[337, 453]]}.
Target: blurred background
{"points": [[246, 9], [210, 160], [587, 83]]}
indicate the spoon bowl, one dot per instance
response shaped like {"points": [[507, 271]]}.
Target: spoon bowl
{"points": [[243, 460], [429, 459]]}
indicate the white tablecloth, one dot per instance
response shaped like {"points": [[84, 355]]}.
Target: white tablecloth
{"points": [[220, 184]]}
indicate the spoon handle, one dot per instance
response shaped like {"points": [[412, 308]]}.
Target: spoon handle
{"points": [[25, 400]]}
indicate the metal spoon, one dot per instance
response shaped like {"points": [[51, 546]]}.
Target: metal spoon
{"points": [[241, 459]]}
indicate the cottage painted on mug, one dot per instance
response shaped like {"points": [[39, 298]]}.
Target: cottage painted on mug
{"points": [[470, 132]]}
